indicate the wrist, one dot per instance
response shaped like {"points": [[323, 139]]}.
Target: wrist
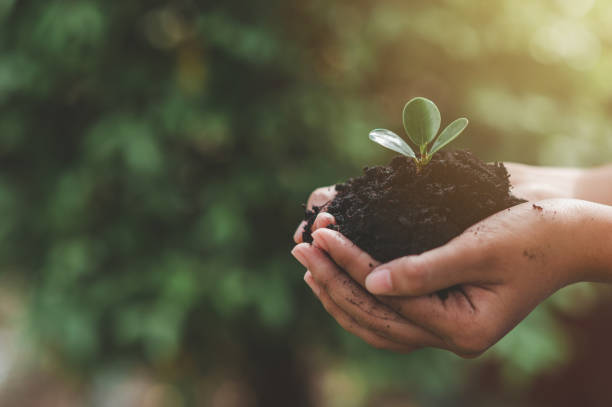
{"points": [[590, 240], [577, 237], [539, 183], [593, 185]]}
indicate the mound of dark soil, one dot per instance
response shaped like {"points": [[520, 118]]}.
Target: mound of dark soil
{"points": [[391, 211]]}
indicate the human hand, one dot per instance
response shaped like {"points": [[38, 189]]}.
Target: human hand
{"points": [[535, 183], [318, 197], [497, 272]]}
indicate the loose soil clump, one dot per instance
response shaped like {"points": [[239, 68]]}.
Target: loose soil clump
{"points": [[393, 211]]}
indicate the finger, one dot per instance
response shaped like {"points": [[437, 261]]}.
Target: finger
{"points": [[357, 263], [452, 264], [298, 253], [321, 196], [443, 324], [322, 221], [312, 284], [472, 320], [297, 236], [350, 325], [467, 321], [358, 304], [442, 317]]}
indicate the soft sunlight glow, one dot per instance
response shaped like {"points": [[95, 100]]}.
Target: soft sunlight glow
{"points": [[566, 41], [576, 8]]}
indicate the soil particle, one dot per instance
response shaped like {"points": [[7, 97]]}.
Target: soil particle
{"points": [[536, 254], [391, 211], [537, 207], [530, 255]]}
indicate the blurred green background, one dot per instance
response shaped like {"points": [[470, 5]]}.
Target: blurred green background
{"points": [[154, 156]]}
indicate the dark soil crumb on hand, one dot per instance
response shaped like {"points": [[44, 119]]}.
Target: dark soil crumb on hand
{"points": [[393, 211], [529, 255]]}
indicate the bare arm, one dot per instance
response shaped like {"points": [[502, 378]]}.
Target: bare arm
{"points": [[536, 183]]}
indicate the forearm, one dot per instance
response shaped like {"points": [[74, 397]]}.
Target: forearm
{"points": [[595, 185], [537, 183], [593, 241]]}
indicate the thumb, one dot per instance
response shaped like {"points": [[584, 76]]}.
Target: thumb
{"points": [[452, 264]]}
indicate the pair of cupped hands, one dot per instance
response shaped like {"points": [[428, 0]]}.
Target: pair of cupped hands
{"points": [[496, 272]]}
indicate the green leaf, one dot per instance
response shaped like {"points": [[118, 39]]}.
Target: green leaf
{"points": [[392, 141], [421, 120], [451, 132]]}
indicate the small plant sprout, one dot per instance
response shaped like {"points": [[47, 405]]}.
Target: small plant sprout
{"points": [[421, 123]]}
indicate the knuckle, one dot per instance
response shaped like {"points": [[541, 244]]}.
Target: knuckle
{"points": [[413, 274], [364, 258], [321, 280], [323, 283]]}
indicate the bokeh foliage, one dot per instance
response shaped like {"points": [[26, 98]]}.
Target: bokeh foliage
{"points": [[154, 155]]}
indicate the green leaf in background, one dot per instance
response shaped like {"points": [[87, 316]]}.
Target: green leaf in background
{"points": [[421, 120], [392, 141], [451, 132], [5, 8], [155, 156]]}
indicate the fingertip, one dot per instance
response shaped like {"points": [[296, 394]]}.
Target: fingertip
{"points": [[326, 216], [324, 236], [318, 233], [318, 239], [323, 220], [300, 248], [379, 282], [311, 257], [300, 253], [297, 235], [312, 283]]}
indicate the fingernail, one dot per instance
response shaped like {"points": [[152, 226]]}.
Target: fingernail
{"points": [[299, 256], [379, 282], [327, 216], [310, 281]]}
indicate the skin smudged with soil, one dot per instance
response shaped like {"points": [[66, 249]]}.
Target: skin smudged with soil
{"points": [[391, 211]]}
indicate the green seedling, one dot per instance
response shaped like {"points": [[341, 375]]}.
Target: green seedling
{"points": [[421, 123]]}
